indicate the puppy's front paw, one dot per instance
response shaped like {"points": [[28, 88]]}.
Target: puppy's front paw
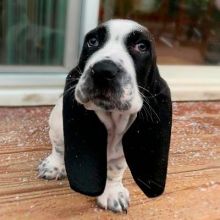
{"points": [[115, 197], [52, 168]]}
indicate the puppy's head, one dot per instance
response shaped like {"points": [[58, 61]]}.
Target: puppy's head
{"points": [[114, 64]]}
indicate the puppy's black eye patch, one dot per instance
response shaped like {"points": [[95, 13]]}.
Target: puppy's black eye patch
{"points": [[93, 41], [96, 37], [136, 37], [138, 41]]}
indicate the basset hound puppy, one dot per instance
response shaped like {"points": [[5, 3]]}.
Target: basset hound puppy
{"points": [[115, 111]]}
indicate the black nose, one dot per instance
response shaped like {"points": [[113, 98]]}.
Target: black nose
{"points": [[104, 71]]}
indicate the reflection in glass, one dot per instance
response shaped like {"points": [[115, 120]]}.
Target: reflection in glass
{"points": [[186, 31], [32, 31]]}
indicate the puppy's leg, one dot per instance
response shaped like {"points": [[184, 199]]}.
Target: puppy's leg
{"points": [[53, 166], [115, 196]]}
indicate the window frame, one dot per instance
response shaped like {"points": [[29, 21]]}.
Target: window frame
{"points": [[42, 85]]}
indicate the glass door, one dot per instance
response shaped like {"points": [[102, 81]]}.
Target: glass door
{"points": [[37, 32], [187, 32], [39, 44], [32, 32]]}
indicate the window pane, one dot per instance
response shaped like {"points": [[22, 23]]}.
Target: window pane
{"points": [[186, 31], [32, 32]]}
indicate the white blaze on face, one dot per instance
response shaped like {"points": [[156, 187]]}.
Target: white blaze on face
{"points": [[114, 49]]}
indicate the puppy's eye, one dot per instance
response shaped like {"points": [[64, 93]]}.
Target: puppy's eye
{"points": [[93, 42], [141, 47]]}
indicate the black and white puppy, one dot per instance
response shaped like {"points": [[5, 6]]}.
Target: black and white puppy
{"points": [[116, 110]]}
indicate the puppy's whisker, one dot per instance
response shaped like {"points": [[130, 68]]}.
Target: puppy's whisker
{"points": [[70, 90], [145, 110], [151, 95], [148, 113], [141, 115], [144, 113], [78, 70], [72, 87], [151, 110], [72, 81]]}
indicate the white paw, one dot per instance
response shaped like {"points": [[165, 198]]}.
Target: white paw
{"points": [[115, 197], [52, 168]]}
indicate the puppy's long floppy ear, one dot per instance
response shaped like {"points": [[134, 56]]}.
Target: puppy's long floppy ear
{"points": [[85, 140], [146, 143]]}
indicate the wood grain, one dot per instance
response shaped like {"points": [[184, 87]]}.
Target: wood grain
{"points": [[193, 185]]}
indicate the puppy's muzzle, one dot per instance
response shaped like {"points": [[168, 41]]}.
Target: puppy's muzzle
{"points": [[106, 85], [104, 72]]}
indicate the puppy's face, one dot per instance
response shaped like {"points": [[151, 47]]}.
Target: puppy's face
{"points": [[114, 63]]}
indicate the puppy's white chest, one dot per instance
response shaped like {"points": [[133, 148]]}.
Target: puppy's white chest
{"points": [[116, 125]]}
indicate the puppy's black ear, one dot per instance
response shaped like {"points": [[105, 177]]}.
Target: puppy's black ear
{"points": [[85, 140], [146, 143]]}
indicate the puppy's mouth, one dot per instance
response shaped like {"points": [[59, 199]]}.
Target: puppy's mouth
{"points": [[110, 104], [106, 101]]}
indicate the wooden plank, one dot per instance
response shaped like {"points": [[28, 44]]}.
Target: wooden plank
{"points": [[193, 185]]}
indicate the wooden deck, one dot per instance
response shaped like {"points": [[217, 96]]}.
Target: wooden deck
{"points": [[193, 186]]}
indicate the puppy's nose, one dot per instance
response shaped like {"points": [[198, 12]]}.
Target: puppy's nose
{"points": [[105, 70]]}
